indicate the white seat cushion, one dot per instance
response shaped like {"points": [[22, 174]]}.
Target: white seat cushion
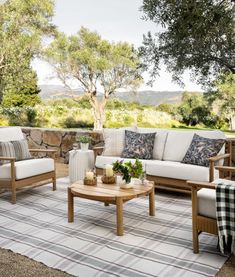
{"points": [[27, 168], [207, 198], [206, 202], [159, 143], [178, 142], [178, 170]]}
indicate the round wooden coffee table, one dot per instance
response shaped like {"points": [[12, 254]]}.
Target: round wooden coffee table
{"points": [[110, 194]]}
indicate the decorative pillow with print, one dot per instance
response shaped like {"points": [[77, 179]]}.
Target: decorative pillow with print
{"points": [[138, 145], [201, 149]]}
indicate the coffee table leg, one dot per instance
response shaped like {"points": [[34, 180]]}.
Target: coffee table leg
{"points": [[70, 206], [152, 202], [119, 211]]}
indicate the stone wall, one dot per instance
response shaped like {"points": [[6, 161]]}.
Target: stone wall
{"points": [[61, 140]]}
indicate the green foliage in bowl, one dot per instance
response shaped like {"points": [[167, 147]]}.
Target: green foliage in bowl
{"points": [[84, 139], [129, 169]]}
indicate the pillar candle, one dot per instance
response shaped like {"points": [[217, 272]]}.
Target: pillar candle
{"points": [[89, 175], [109, 170]]}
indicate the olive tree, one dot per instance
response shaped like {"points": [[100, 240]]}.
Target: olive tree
{"points": [[97, 66], [195, 35]]}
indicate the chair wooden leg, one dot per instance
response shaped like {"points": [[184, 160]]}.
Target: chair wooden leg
{"points": [[54, 182], [195, 240], [194, 219]]}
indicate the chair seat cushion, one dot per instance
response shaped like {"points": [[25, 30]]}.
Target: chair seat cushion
{"points": [[177, 170], [27, 168], [206, 200]]}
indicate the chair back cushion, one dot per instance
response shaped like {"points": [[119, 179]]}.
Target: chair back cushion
{"points": [[11, 133], [6, 150], [16, 149]]}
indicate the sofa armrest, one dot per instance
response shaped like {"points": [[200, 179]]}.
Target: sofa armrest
{"points": [[12, 161], [200, 185], [7, 158], [212, 166], [219, 157], [46, 151]]}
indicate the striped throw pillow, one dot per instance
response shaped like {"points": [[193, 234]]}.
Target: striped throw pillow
{"points": [[18, 149], [6, 150], [21, 149]]}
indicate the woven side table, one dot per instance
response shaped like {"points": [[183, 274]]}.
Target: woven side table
{"points": [[79, 162]]}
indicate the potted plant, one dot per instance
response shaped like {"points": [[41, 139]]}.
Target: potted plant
{"points": [[128, 170], [84, 142]]}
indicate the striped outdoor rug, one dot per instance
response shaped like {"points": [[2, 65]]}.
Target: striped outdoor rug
{"points": [[152, 246]]}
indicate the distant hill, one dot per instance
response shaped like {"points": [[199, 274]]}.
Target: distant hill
{"points": [[56, 91], [150, 97], [146, 97]]}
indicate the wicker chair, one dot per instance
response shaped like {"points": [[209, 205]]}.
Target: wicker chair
{"points": [[18, 174], [204, 206]]}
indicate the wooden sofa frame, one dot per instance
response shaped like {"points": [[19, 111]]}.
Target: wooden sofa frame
{"points": [[202, 223], [12, 184], [177, 184]]}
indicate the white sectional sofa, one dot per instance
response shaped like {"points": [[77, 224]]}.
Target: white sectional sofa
{"points": [[170, 147]]}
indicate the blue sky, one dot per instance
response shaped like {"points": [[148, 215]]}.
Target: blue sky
{"points": [[115, 20]]}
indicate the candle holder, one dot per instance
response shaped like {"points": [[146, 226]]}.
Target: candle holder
{"points": [[90, 182], [108, 179]]}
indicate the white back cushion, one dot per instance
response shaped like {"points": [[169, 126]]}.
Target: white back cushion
{"points": [[11, 133], [177, 143], [159, 143], [114, 141]]}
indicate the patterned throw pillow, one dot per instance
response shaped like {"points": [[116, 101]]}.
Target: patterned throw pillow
{"points": [[201, 149], [15, 149], [138, 146]]}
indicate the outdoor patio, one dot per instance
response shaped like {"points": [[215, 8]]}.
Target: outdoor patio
{"points": [[12, 263]]}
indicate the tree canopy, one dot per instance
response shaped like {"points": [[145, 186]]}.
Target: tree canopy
{"points": [[223, 99], [97, 66], [194, 35], [22, 26]]}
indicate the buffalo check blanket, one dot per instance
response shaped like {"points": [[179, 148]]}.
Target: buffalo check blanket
{"points": [[225, 212]]}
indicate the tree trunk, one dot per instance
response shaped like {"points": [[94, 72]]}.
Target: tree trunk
{"points": [[98, 112], [232, 122]]}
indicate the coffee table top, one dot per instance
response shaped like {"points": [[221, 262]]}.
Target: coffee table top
{"points": [[103, 192]]}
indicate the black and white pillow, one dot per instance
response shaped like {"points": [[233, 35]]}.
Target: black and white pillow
{"points": [[138, 145], [14, 149], [201, 149]]}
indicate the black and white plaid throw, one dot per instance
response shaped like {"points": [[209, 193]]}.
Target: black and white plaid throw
{"points": [[225, 212]]}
